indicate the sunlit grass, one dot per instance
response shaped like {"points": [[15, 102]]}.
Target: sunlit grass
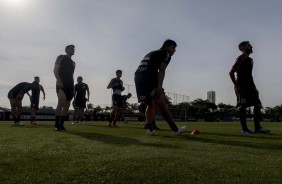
{"points": [[94, 153]]}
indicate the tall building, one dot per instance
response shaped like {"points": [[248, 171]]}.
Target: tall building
{"points": [[211, 96]]}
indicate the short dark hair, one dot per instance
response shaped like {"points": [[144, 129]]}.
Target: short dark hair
{"points": [[36, 77], [242, 44], [69, 46], [168, 43], [79, 77], [118, 71]]}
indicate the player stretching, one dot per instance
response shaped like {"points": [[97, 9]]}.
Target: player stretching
{"points": [[149, 79], [16, 95], [80, 90], [246, 91], [117, 85], [35, 95], [63, 71]]}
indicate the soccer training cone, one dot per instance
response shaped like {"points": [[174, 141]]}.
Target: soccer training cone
{"points": [[196, 132]]}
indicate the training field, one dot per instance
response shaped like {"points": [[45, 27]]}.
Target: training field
{"points": [[94, 153]]}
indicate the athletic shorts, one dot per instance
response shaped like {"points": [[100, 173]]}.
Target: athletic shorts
{"points": [[146, 87], [68, 90], [80, 103], [117, 100], [34, 103], [248, 96]]}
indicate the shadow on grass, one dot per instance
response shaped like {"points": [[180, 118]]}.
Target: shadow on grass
{"points": [[269, 136], [116, 140], [28, 125], [247, 144]]}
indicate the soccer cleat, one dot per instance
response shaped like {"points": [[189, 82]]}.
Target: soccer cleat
{"points": [[57, 129], [149, 132], [247, 132], [180, 130], [18, 123], [63, 128], [34, 123], [262, 130]]}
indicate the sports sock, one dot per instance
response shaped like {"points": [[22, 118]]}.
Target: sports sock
{"points": [[243, 120], [150, 126], [57, 121]]}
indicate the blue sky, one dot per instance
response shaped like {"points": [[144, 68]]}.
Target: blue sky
{"points": [[116, 34]]}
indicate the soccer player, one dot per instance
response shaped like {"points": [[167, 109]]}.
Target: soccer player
{"points": [[245, 89], [117, 86], [80, 90], [35, 94], [16, 95], [149, 79], [63, 71]]}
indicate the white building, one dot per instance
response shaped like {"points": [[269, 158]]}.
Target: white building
{"points": [[211, 96]]}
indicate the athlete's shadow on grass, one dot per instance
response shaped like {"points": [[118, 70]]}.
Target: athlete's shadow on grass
{"points": [[268, 136], [116, 140], [229, 142], [28, 125]]}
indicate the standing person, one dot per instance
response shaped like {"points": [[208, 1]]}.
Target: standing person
{"points": [[149, 79], [35, 95], [80, 90], [117, 85], [16, 95], [63, 71], [245, 89]]}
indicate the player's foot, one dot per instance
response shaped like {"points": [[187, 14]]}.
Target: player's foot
{"points": [[62, 127], [34, 123], [180, 130], [149, 132], [109, 125], [57, 129], [262, 130], [247, 132], [18, 123]]}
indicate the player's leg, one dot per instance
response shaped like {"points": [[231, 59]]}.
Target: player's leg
{"points": [[150, 116], [32, 115], [81, 109], [61, 102], [13, 103], [257, 117], [163, 107], [19, 110], [243, 120], [34, 108]]}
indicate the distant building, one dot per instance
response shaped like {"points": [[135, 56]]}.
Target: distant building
{"points": [[211, 96]]}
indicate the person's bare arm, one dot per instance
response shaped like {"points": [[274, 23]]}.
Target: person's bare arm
{"points": [[110, 85], [56, 73]]}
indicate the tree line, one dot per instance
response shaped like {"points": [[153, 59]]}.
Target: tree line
{"points": [[197, 110]]}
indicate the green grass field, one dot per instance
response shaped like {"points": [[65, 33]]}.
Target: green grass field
{"points": [[94, 153]]}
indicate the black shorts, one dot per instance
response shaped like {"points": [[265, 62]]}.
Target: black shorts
{"points": [[34, 103], [248, 96], [117, 100], [68, 90], [146, 87], [80, 103]]}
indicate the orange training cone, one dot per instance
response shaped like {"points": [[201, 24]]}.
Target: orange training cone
{"points": [[196, 132]]}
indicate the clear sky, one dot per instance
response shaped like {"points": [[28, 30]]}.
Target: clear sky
{"points": [[116, 34]]}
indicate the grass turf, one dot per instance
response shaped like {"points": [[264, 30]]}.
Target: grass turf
{"points": [[94, 153]]}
